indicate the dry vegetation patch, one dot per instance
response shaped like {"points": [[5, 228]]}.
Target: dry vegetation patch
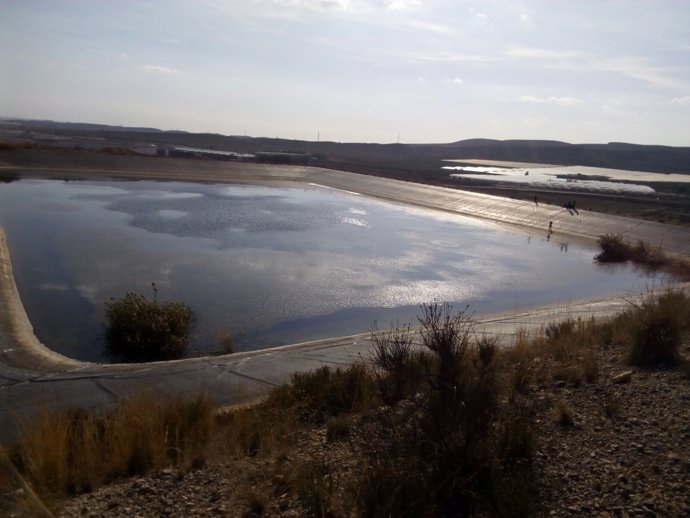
{"points": [[440, 423]]}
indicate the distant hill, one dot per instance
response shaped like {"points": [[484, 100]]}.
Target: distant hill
{"points": [[411, 161]]}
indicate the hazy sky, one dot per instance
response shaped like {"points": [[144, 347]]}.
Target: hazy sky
{"points": [[356, 70]]}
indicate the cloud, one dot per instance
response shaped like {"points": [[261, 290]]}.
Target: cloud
{"points": [[451, 57], [610, 109], [534, 122], [526, 20], [159, 69], [456, 81], [430, 26], [480, 17], [560, 101], [682, 101], [630, 67], [637, 69], [517, 51], [401, 5], [316, 5], [565, 101]]}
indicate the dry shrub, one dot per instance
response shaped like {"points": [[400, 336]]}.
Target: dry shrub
{"points": [[393, 354], [445, 448], [654, 327], [324, 392], [613, 250]]}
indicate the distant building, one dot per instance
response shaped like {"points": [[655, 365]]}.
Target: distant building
{"points": [[212, 154], [268, 157]]}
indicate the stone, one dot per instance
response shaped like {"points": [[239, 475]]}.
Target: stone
{"points": [[623, 377]]}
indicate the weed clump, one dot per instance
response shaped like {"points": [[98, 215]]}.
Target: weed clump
{"points": [[142, 330]]}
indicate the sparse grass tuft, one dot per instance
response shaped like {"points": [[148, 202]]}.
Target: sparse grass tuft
{"points": [[338, 428], [315, 485], [564, 415], [256, 503], [611, 407]]}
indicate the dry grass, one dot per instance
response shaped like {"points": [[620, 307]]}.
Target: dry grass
{"points": [[260, 431], [559, 351], [76, 450]]}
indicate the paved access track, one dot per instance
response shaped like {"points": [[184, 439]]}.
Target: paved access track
{"points": [[33, 378]]}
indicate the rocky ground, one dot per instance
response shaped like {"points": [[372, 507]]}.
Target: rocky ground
{"points": [[616, 447]]}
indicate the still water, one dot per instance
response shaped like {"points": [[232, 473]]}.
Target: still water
{"points": [[269, 265]]}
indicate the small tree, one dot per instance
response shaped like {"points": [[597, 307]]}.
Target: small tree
{"points": [[142, 330]]}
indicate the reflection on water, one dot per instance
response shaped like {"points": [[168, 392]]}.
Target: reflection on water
{"points": [[268, 265]]}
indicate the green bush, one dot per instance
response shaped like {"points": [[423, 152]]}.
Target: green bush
{"points": [[141, 330]]}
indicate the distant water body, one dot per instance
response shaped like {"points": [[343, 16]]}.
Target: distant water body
{"points": [[269, 265]]}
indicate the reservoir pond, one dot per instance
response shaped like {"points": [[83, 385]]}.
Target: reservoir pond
{"points": [[270, 265]]}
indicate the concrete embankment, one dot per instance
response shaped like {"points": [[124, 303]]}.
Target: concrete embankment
{"points": [[32, 377], [19, 347]]}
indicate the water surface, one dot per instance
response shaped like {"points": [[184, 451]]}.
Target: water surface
{"points": [[269, 265]]}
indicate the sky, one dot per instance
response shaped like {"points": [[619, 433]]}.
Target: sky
{"points": [[413, 71]]}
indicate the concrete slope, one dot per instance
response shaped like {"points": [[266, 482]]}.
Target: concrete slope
{"points": [[236, 378]]}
